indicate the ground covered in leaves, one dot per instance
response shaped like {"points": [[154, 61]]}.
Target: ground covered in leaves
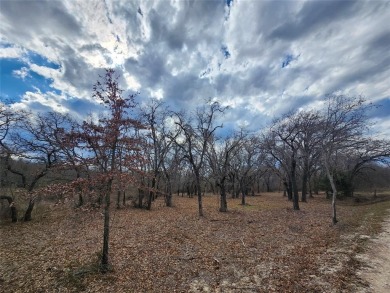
{"points": [[262, 247]]}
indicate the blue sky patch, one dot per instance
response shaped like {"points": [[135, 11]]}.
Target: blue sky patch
{"points": [[42, 61], [225, 51], [13, 85], [381, 109], [288, 59]]}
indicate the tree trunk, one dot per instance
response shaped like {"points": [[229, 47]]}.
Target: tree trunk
{"points": [[151, 194], [234, 186], [124, 198], [79, 191], [289, 190], [106, 233], [237, 192], [3, 171], [304, 181], [212, 188], [81, 200], [223, 205], [27, 214], [285, 191], [294, 183], [243, 202], [11, 203], [168, 199], [118, 199], [199, 191], [268, 186], [334, 216], [334, 194], [140, 197], [310, 189]]}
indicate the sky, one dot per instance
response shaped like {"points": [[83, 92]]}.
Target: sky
{"points": [[261, 58]]}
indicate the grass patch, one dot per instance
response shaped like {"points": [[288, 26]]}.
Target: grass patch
{"points": [[374, 216]]}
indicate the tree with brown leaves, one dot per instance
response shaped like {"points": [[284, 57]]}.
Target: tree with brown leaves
{"points": [[102, 140]]}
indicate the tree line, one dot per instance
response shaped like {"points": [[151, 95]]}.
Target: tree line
{"points": [[159, 152]]}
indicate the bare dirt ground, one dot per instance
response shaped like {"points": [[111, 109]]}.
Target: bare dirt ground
{"points": [[376, 262], [262, 247]]}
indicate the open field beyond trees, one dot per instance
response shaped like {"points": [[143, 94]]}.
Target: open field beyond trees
{"points": [[264, 246]]}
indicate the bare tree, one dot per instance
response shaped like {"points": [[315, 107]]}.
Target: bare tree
{"points": [[155, 116], [374, 151], [194, 138], [309, 145], [284, 134], [343, 126], [245, 163], [279, 161], [33, 141], [8, 119], [220, 154], [170, 165], [356, 159]]}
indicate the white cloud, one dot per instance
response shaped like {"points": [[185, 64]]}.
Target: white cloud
{"points": [[42, 102], [382, 129], [131, 82], [158, 94], [12, 52], [22, 73]]}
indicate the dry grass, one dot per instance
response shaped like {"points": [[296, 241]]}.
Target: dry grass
{"points": [[262, 247]]}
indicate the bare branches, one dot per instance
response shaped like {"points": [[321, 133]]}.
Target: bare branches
{"points": [[195, 135]]}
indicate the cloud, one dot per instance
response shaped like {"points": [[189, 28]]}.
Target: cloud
{"points": [[312, 16], [11, 52], [42, 102], [22, 73], [263, 58]]}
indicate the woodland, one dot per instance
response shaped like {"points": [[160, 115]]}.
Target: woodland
{"points": [[141, 198]]}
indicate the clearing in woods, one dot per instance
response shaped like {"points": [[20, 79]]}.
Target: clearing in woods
{"points": [[262, 247]]}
